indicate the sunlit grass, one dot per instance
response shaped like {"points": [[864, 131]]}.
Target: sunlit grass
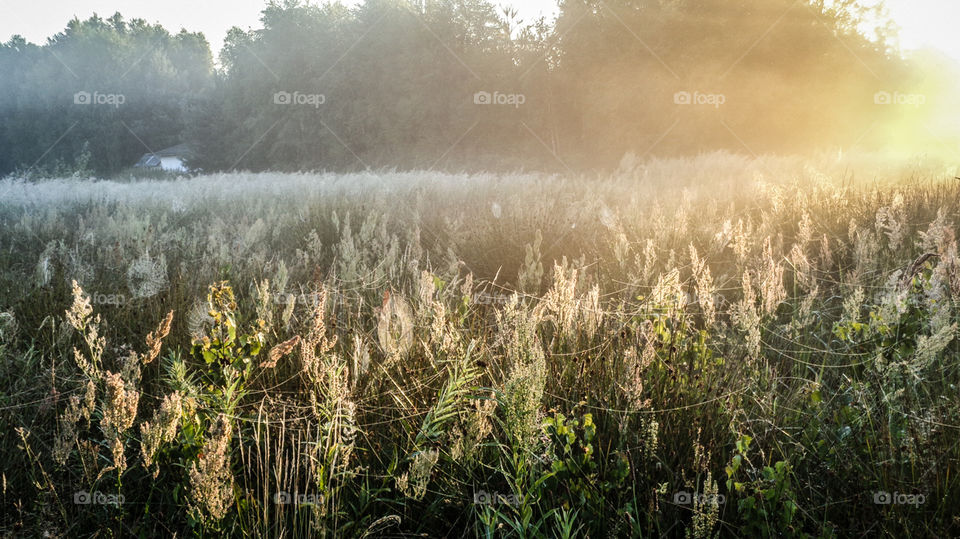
{"points": [[750, 346]]}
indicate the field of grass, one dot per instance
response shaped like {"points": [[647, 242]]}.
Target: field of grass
{"points": [[750, 347]]}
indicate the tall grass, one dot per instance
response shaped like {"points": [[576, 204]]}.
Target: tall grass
{"points": [[721, 345]]}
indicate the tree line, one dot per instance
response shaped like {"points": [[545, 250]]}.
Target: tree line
{"points": [[449, 84]]}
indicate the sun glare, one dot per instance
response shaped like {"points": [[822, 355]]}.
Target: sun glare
{"points": [[927, 24]]}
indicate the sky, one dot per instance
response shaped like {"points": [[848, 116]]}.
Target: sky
{"points": [[927, 24], [924, 23]]}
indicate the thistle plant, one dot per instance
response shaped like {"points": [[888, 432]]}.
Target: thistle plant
{"points": [[228, 351]]}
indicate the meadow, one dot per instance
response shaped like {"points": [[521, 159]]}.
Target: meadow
{"points": [[712, 346]]}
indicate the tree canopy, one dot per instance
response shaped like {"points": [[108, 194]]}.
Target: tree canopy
{"points": [[448, 83]]}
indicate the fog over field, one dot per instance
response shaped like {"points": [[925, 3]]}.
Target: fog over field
{"points": [[606, 268]]}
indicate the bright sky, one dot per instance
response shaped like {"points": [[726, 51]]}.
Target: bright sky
{"points": [[925, 23]]}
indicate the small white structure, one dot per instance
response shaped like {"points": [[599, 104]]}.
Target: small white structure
{"points": [[171, 159]]}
